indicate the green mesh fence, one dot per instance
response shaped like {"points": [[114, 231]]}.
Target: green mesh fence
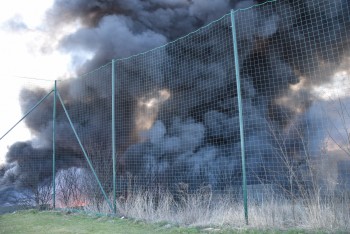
{"points": [[173, 93], [253, 107], [287, 62], [88, 148]]}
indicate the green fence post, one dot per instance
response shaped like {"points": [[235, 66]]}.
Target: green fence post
{"points": [[54, 147], [113, 138], [84, 151], [240, 110]]}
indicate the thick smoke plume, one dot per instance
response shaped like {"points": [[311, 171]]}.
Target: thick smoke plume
{"points": [[187, 95]]}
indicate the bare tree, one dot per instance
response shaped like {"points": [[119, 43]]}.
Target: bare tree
{"points": [[341, 131], [39, 195], [69, 187]]}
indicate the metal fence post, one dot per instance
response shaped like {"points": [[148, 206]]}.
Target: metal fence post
{"points": [[54, 148], [113, 138], [84, 151], [240, 110]]}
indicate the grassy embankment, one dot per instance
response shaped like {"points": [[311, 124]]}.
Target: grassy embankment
{"points": [[33, 221]]}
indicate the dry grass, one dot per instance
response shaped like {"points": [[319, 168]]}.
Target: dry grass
{"points": [[205, 209]]}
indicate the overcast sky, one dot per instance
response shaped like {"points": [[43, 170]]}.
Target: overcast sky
{"points": [[22, 34]]}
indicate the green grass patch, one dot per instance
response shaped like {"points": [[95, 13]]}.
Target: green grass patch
{"points": [[33, 221]]}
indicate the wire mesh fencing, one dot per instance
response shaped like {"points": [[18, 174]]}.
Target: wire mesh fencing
{"points": [[253, 108], [83, 140], [176, 90]]}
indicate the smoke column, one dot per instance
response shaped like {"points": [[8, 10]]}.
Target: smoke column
{"points": [[192, 134]]}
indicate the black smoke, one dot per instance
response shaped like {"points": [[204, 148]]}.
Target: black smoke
{"points": [[194, 135]]}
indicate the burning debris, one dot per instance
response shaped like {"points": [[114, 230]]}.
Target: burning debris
{"points": [[177, 107]]}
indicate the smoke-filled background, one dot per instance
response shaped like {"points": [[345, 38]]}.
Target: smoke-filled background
{"points": [[177, 106]]}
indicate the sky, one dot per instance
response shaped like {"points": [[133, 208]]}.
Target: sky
{"points": [[21, 59]]}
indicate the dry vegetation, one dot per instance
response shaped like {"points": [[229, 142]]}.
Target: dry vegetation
{"points": [[328, 212]]}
